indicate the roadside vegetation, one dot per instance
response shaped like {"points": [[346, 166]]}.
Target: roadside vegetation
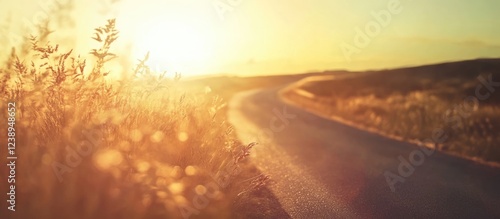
{"points": [[91, 146], [411, 103]]}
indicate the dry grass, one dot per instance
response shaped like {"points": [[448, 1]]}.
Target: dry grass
{"points": [[411, 103], [152, 147]]}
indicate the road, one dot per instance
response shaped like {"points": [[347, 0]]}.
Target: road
{"points": [[325, 169]]}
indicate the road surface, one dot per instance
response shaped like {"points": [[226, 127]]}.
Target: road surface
{"points": [[324, 169]]}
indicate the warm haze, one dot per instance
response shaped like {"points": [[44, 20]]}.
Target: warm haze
{"points": [[272, 37], [236, 109]]}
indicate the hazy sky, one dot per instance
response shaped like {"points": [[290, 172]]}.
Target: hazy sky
{"points": [[262, 36]]}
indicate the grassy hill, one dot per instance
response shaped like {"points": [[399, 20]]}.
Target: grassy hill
{"points": [[411, 103]]}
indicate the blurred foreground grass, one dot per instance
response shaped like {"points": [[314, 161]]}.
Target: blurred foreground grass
{"points": [[140, 147]]}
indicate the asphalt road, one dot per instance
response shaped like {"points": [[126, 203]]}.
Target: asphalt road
{"points": [[324, 169]]}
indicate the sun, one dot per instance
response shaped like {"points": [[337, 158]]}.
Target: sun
{"points": [[175, 46]]}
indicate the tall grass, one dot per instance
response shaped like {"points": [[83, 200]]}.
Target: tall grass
{"points": [[157, 145], [412, 103]]}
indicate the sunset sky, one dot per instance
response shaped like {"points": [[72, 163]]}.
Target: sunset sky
{"points": [[272, 37]]}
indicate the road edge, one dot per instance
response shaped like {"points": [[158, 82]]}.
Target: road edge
{"points": [[293, 88]]}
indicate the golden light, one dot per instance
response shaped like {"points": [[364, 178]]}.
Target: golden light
{"points": [[183, 136], [143, 166], [190, 171], [176, 187], [136, 135], [105, 159], [200, 190], [157, 136], [175, 46]]}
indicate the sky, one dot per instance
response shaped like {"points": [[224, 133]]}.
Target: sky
{"points": [[258, 37]]}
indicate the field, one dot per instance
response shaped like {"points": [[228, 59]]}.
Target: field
{"points": [[415, 103], [145, 146]]}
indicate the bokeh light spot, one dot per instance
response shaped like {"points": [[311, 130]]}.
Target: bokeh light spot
{"points": [[108, 158], [183, 136], [136, 135], [190, 170], [176, 188], [200, 190]]}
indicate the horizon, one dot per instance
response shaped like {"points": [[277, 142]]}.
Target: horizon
{"points": [[215, 75], [246, 38]]}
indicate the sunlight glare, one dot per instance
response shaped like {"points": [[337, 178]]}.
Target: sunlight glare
{"points": [[175, 46]]}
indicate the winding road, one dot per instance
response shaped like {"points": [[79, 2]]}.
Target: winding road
{"points": [[325, 169]]}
